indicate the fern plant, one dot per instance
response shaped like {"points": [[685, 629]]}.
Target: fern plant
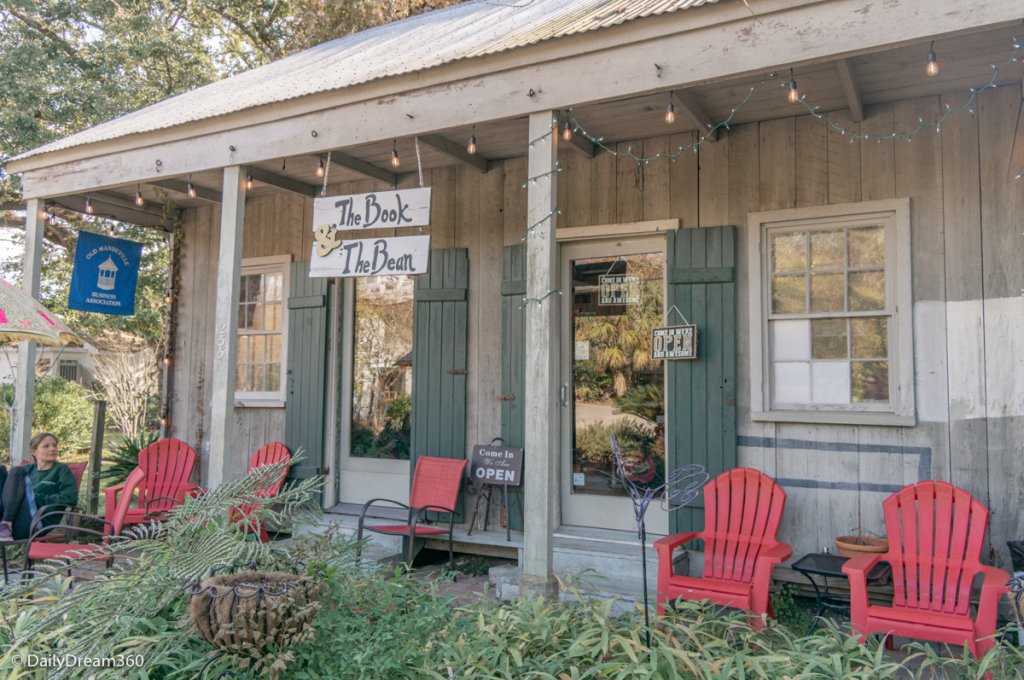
{"points": [[126, 457], [139, 605]]}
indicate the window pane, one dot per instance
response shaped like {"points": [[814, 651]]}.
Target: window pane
{"points": [[272, 316], [830, 382], [826, 292], [382, 368], [245, 316], [869, 380], [788, 252], [828, 338], [258, 343], [867, 247], [273, 378], [870, 338], [867, 291], [274, 349], [243, 349], [273, 287], [792, 382], [827, 250], [791, 340], [789, 295]]}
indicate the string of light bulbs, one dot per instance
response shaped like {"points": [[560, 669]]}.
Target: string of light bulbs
{"points": [[542, 298], [529, 229], [571, 125]]}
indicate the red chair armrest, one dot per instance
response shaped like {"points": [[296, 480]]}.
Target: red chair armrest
{"points": [[768, 558], [111, 493], [776, 553], [858, 567], [993, 587], [666, 546]]}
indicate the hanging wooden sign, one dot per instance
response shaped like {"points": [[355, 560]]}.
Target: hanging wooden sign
{"points": [[674, 342], [618, 289], [373, 257], [377, 210]]}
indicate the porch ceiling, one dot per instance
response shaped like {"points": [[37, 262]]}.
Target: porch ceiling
{"points": [[880, 77]]}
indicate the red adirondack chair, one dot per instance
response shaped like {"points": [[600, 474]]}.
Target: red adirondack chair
{"points": [[936, 532], [742, 511], [270, 454], [166, 465], [435, 487], [43, 546]]}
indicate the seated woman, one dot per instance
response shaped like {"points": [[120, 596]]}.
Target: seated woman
{"points": [[26, 488]]}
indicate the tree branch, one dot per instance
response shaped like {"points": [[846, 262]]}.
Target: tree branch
{"points": [[52, 36]]}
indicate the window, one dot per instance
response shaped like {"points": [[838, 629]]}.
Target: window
{"points": [[262, 329], [831, 322], [68, 369]]}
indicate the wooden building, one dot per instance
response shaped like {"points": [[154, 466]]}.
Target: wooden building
{"points": [[842, 227]]}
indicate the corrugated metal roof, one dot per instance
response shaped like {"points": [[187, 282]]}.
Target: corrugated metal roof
{"points": [[471, 29]]}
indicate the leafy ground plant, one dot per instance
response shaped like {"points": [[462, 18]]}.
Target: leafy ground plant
{"points": [[139, 606]]}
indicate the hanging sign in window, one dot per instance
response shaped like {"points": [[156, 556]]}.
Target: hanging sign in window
{"points": [[106, 271], [373, 257], [377, 210], [618, 289], [674, 342]]}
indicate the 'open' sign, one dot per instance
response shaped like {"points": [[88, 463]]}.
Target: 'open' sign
{"points": [[500, 465]]}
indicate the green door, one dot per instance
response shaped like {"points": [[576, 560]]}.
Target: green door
{"points": [[513, 362]]}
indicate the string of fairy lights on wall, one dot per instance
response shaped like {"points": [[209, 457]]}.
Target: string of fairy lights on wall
{"points": [[566, 125]]}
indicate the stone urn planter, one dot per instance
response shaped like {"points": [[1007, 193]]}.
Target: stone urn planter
{"points": [[253, 614]]}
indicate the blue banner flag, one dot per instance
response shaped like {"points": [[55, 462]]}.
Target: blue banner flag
{"points": [[106, 271]]}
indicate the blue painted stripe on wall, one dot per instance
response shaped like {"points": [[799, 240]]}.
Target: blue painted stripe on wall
{"points": [[924, 462]]}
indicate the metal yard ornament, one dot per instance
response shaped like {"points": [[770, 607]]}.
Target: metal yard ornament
{"points": [[681, 486]]}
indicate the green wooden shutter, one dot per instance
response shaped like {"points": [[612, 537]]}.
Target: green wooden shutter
{"points": [[513, 362], [307, 370], [701, 394], [439, 358]]}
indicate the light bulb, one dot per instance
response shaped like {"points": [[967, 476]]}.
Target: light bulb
{"points": [[395, 161], [51, 217], [320, 168], [932, 69], [191, 189], [88, 205], [471, 147], [567, 131], [139, 200], [794, 94], [670, 113], [248, 181]]}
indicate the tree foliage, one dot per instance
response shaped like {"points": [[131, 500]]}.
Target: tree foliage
{"points": [[67, 65]]}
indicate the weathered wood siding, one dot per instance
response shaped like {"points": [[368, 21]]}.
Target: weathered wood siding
{"points": [[967, 279]]}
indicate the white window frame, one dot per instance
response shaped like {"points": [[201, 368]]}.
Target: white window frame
{"points": [[895, 215], [269, 265]]}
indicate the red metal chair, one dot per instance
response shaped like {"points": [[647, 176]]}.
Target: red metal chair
{"points": [[742, 511], [435, 487], [42, 546], [166, 465], [270, 454], [936, 532]]}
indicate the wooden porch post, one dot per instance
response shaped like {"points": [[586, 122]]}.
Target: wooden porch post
{"points": [[232, 218], [542, 409], [25, 378]]}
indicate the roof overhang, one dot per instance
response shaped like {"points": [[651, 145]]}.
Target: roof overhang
{"points": [[644, 56]]}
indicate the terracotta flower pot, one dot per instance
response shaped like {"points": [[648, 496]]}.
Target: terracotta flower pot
{"points": [[250, 612], [852, 546]]}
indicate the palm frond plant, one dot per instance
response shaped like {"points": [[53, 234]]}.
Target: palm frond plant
{"points": [[139, 606], [125, 457]]}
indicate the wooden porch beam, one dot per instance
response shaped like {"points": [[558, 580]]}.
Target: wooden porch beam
{"points": [[225, 341], [179, 187], [25, 373], [850, 89], [99, 197], [344, 160], [541, 389], [282, 182], [691, 109], [453, 150]]}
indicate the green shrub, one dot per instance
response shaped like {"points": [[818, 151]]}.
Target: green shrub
{"points": [[594, 444], [60, 407]]}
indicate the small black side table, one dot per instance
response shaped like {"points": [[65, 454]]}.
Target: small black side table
{"points": [[827, 565], [3, 554]]}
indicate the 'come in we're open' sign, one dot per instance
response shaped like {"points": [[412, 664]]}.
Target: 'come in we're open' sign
{"points": [[334, 256]]}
